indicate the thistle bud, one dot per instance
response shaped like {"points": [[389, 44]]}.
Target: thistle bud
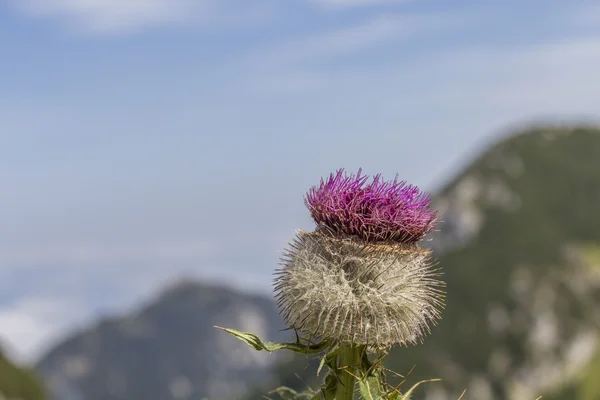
{"points": [[361, 277]]}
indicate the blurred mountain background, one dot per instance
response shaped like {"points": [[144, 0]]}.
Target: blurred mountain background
{"points": [[154, 155], [520, 249]]}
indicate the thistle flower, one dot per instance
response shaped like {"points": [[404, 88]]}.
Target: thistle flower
{"points": [[377, 211], [361, 278], [359, 282]]}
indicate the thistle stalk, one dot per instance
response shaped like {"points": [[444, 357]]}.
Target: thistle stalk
{"points": [[349, 359]]}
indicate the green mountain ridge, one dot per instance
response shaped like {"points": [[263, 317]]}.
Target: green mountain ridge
{"points": [[520, 256]]}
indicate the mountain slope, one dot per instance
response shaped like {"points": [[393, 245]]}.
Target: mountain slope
{"points": [[18, 383], [169, 350], [519, 250]]}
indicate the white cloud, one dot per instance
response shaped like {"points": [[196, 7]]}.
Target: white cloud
{"points": [[29, 325], [550, 78], [525, 81], [456, 99], [342, 4], [381, 30], [118, 16]]}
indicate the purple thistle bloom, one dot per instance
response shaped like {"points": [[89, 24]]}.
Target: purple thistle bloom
{"points": [[377, 211]]}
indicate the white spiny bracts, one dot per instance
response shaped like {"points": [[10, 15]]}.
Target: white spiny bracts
{"points": [[378, 294]]}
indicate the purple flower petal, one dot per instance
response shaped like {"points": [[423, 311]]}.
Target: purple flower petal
{"points": [[376, 211]]}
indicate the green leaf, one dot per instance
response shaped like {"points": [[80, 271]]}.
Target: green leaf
{"points": [[369, 388], [407, 395], [321, 364], [328, 391], [328, 359], [254, 341]]}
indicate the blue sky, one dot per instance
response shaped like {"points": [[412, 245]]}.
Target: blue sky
{"points": [[143, 141]]}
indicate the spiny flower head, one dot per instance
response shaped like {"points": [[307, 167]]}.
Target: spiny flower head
{"points": [[361, 277], [349, 291], [376, 211]]}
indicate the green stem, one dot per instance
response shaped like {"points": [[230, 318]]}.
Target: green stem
{"points": [[348, 361]]}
